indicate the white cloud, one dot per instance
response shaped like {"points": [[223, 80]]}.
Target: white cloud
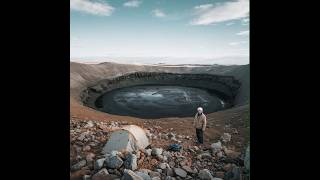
{"points": [[133, 3], [209, 13], [91, 7], [237, 43], [230, 23], [243, 33], [203, 7], [158, 13], [245, 20]]}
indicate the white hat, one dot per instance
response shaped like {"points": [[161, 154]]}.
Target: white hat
{"points": [[200, 110]]}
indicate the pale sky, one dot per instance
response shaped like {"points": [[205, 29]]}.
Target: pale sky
{"points": [[197, 30]]}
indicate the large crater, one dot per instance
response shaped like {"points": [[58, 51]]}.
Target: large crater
{"points": [[157, 95]]}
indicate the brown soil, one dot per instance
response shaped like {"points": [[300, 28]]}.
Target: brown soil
{"points": [[234, 118]]}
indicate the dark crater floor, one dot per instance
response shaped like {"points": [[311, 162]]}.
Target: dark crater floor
{"points": [[159, 101]]}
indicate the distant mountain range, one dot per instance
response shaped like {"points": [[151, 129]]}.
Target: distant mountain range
{"points": [[230, 60]]}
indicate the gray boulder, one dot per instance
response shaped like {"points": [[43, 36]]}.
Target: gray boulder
{"points": [[163, 165], [131, 162], [99, 163], [78, 165], [169, 172], [154, 174], [130, 175], [216, 147], [188, 169], [205, 174], [102, 174], [113, 162], [180, 172], [143, 175]]}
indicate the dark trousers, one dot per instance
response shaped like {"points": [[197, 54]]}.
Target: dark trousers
{"points": [[199, 133]]}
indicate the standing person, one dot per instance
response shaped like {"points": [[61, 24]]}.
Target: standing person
{"points": [[200, 122]]}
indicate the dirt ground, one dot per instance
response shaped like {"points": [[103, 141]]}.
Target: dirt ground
{"points": [[234, 121]]}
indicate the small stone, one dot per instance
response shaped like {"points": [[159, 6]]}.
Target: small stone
{"points": [[216, 147], [86, 177], [148, 152], [163, 165], [170, 178], [220, 154], [159, 170], [205, 175], [188, 169], [160, 158], [102, 174], [154, 174], [131, 162], [156, 151], [117, 172], [145, 176], [226, 137], [78, 165], [113, 162], [146, 171], [99, 163], [172, 164], [169, 172], [156, 178], [81, 137], [180, 172], [205, 155], [86, 148], [130, 175], [114, 153], [89, 124], [90, 157]]}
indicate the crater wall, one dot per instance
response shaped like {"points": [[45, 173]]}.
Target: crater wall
{"points": [[83, 76], [225, 86]]}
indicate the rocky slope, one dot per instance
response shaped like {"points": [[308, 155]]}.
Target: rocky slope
{"points": [[215, 162]]}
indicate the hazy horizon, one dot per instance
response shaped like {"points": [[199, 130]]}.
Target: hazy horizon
{"points": [[164, 60]]}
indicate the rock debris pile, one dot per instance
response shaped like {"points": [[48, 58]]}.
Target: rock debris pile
{"points": [[152, 163]]}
